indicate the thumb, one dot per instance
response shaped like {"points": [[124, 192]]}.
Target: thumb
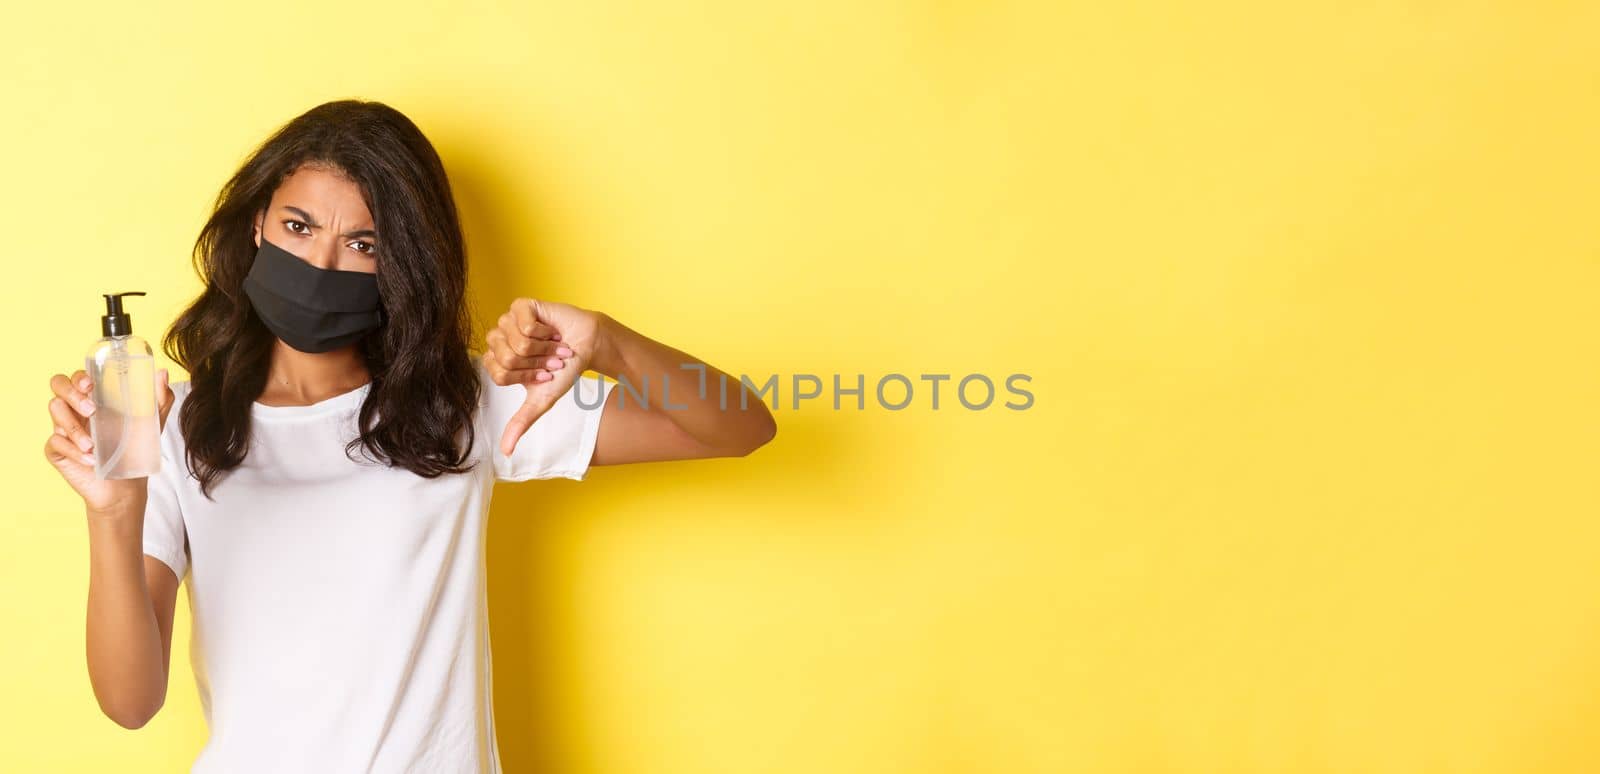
{"points": [[537, 402]]}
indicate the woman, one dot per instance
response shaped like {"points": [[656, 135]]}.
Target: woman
{"points": [[324, 489]]}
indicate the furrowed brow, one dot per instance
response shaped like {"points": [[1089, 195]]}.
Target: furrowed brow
{"points": [[312, 222]]}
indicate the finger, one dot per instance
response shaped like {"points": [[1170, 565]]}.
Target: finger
{"points": [[68, 391], [524, 318], [526, 354], [527, 346], [497, 372], [535, 406], [501, 376], [61, 451], [69, 425]]}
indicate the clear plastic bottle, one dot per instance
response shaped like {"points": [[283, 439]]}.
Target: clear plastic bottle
{"points": [[125, 425]]}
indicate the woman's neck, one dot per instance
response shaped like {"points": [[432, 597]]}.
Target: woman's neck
{"points": [[298, 378]]}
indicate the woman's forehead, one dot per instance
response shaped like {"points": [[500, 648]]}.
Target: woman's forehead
{"points": [[324, 194]]}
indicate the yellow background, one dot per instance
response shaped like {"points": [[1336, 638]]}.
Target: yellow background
{"points": [[1307, 292]]}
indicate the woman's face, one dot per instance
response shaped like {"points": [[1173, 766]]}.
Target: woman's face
{"points": [[320, 217]]}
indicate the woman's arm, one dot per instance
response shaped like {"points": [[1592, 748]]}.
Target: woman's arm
{"points": [[546, 346], [131, 596], [129, 630], [683, 416]]}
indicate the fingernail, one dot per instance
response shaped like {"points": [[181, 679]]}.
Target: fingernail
{"points": [[83, 384], [563, 351], [86, 406], [554, 363], [88, 459], [555, 337], [83, 443]]}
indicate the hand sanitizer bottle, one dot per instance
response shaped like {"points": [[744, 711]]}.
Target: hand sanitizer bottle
{"points": [[125, 425]]}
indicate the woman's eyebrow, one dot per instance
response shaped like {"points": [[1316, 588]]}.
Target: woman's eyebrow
{"points": [[312, 222]]}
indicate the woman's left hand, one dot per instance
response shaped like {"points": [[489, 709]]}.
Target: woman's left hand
{"points": [[545, 346]]}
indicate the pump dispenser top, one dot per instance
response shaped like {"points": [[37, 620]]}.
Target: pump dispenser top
{"points": [[116, 322]]}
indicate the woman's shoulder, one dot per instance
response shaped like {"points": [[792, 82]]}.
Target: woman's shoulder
{"points": [[180, 390], [170, 430]]}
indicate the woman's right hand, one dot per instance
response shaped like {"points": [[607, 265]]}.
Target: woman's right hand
{"points": [[71, 448]]}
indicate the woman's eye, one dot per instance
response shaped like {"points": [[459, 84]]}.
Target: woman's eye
{"points": [[370, 248], [290, 224]]}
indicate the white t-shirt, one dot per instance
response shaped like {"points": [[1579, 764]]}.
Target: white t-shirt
{"points": [[340, 620]]}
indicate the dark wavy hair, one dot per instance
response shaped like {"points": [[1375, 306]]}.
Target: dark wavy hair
{"points": [[424, 381]]}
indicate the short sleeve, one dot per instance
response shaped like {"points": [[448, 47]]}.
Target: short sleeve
{"points": [[164, 535], [561, 441]]}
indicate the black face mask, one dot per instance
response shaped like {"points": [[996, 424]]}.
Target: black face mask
{"points": [[312, 309]]}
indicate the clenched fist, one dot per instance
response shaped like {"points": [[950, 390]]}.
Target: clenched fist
{"points": [[545, 346]]}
